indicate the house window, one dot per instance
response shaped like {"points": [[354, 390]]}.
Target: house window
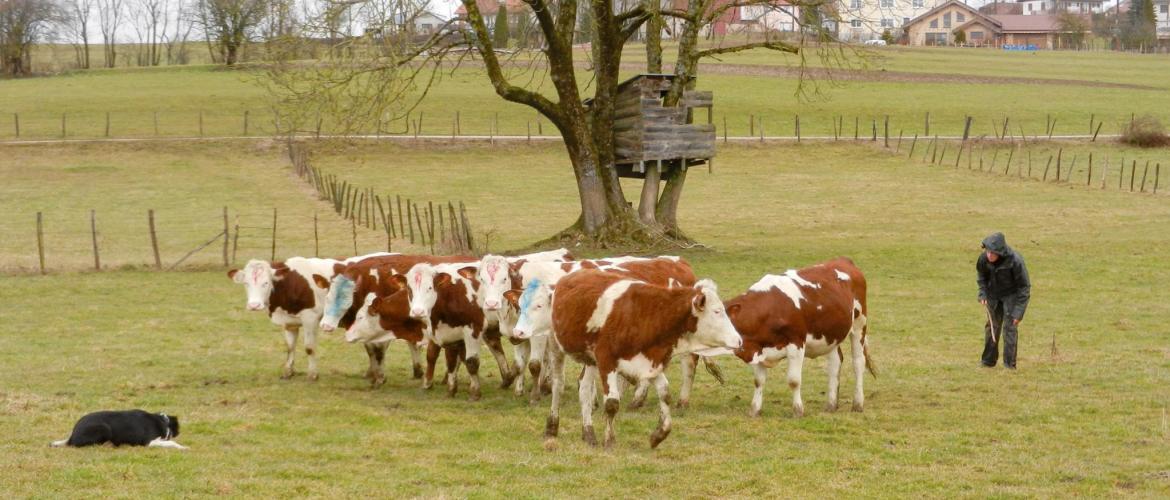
{"points": [[976, 35], [936, 38], [887, 3], [855, 4], [918, 4], [905, 21], [1165, 8], [959, 17], [887, 22], [934, 23], [856, 23], [947, 20]]}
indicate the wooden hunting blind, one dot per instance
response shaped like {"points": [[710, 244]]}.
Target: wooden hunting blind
{"points": [[649, 135]]}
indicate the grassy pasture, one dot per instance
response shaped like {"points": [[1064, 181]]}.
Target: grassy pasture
{"points": [[1088, 421], [179, 94]]}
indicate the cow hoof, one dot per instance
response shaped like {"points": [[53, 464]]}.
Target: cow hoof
{"points": [[313, 377], [533, 402], [588, 436], [684, 404], [473, 395], [550, 444], [427, 385], [658, 436], [858, 408], [507, 381], [609, 442], [451, 391], [637, 403], [830, 407], [754, 413], [551, 427], [286, 375], [797, 411], [377, 382], [418, 372]]}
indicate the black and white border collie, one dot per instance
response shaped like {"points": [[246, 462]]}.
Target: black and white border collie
{"points": [[129, 427]]}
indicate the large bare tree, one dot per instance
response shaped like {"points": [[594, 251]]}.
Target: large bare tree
{"points": [[554, 81], [110, 14], [77, 28], [150, 20], [23, 23]]}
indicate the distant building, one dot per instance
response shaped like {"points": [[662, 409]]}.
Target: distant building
{"points": [[1052, 7], [941, 25], [863, 20]]}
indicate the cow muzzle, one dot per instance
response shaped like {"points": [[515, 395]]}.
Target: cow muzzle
{"points": [[520, 334], [255, 306], [491, 305], [329, 327], [417, 313]]}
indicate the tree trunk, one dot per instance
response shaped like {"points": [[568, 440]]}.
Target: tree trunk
{"points": [[231, 52], [647, 206]]}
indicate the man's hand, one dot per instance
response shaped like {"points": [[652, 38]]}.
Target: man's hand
{"points": [[983, 301], [1015, 322]]}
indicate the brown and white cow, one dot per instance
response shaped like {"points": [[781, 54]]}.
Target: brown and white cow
{"points": [[620, 327], [801, 314], [357, 278], [529, 313], [289, 291]]}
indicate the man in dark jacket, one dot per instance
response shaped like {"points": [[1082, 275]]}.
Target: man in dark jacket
{"points": [[1004, 290]]}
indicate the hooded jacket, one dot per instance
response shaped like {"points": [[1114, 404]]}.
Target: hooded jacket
{"points": [[1007, 278]]}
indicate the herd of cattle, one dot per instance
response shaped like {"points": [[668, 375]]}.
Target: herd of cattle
{"points": [[622, 318]]}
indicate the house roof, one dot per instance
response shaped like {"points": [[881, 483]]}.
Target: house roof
{"points": [[1027, 24], [490, 7], [975, 14]]}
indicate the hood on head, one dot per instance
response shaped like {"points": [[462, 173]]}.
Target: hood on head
{"points": [[996, 243]]}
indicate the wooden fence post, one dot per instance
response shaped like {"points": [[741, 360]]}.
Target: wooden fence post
{"points": [[273, 257], [63, 125], [97, 260], [913, 145], [967, 129], [316, 237], [40, 240], [856, 128], [353, 233], [466, 226], [1059, 153], [422, 235], [1145, 172], [236, 239], [431, 224], [107, 123], [226, 233], [1157, 172], [751, 125], [201, 123], [16, 123], [886, 126], [798, 128], [409, 220], [156, 123], [926, 132], [245, 123], [442, 227], [1132, 172], [154, 240], [724, 129]]}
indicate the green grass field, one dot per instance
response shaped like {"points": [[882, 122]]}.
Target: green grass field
{"points": [[178, 96], [1088, 419]]}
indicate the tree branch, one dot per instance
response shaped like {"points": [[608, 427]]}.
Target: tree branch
{"points": [[495, 72], [779, 46]]}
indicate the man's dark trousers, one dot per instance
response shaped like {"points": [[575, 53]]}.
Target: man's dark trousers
{"points": [[1007, 334]]}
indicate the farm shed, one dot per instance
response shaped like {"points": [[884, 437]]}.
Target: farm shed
{"points": [[649, 135]]}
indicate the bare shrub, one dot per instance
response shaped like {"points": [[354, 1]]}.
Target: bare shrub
{"points": [[1145, 132]]}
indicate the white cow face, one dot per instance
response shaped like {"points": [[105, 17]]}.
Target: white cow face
{"points": [[421, 281], [258, 278], [714, 329], [535, 311], [494, 276], [366, 326]]}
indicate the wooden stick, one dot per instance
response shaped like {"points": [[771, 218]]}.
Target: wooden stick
{"points": [[409, 221], [62, 125], [401, 228], [97, 260], [431, 225], [442, 227], [1145, 172], [1011, 153], [245, 122], [107, 123], [353, 233], [1157, 172], [272, 258], [886, 127], [912, 146], [1049, 164], [798, 128], [467, 227], [201, 123], [1089, 181], [418, 219], [1132, 171], [236, 240], [225, 233], [16, 126], [1059, 152], [967, 129], [898, 148], [316, 237], [926, 132], [1097, 131], [41, 240]]}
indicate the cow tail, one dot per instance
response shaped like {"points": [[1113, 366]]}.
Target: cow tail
{"points": [[869, 362], [714, 370]]}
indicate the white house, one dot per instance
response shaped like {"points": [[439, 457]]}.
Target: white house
{"points": [[867, 19], [1049, 7], [1162, 12]]}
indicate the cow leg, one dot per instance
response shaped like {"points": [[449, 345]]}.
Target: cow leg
{"points": [[538, 368], [432, 359], [377, 354], [761, 373], [689, 363], [492, 339], [471, 347], [415, 360], [833, 367], [857, 340], [662, 387], [640, 394], [556, 369], [454, 353], [613, 384], [795, 368], [587, 393], [311, 348], [290, 342], [520, 353]]}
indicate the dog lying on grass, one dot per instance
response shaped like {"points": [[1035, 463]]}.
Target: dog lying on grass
{"points": [[129, 427]]}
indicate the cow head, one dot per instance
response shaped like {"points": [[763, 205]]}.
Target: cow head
{"points": [[365, 326], [259, 278], [713, 328], [338, 300], [535, 307], [424, 283], [495, 278]]}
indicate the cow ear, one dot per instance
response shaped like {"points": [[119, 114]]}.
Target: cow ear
{"points": [[320, 281], [279, 273], [733, 310], [513, 297], [468, 272], [442, 279], [276, 266], [699, 302], [399, 280], [236, 276], [375, 305], [338, 268]]}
